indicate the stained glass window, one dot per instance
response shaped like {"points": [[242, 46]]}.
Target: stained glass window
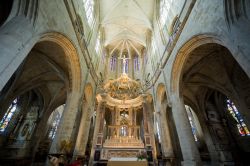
{"points": [[89, 10], [242, 128], [191, 121], [113, 61], [136, 63], [8, 115], [54, 126]]}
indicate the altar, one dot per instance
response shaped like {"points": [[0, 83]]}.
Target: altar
{"points": [[123, 132]]}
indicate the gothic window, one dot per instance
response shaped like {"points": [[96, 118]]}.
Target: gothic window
{"points": [[54, 125], [191, 121], [126, 66], [89, 10], [164, 10], [136, 63], [113, 61], [54, 120], [242, 128], [8, 115], [97, 45]]}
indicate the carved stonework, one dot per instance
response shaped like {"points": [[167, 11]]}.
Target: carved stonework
{"points": [[123, 88]]}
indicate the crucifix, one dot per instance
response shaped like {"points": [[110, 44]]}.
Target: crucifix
{"points": [[124, 60]]}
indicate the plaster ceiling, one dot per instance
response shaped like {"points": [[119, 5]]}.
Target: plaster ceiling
{"points": [[126, 23]]}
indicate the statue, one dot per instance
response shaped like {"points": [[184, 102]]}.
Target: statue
{"points": [[124, 61]]}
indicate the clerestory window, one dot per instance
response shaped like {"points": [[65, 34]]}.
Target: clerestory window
{"points": [[89, 10]]}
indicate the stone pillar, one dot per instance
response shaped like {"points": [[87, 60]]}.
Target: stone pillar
{"points": [[148, 124], [83, 132], [190, 153], [66, 127], [98, 127], [167, 147], [16, 41], [145, 116]]}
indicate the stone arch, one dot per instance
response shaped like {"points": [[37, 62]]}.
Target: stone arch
{"points": [[71, 57], [183, 55], [193, 74], [161, 90]]}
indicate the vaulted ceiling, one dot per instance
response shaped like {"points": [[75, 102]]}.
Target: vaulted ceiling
{"points": [[126, 24]]}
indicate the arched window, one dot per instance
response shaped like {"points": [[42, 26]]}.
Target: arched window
{"points": [[89, 10], [54, 120], [113, 61], [242, 128], [164, 9], [136, 63], [54, 126], [126, 66], [8, 115], [191, 121]]}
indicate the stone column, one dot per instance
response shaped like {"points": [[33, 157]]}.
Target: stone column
{"points": [[66, 127], [167, 147], [148, 125], [190, 153], [145, 116], [16, 41], [83, 132], [98, 125]]}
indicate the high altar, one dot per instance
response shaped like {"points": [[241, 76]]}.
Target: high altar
{"points": [[123, 122]]}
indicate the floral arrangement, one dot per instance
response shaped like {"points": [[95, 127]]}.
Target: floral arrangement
{"points": [[141, 156]]}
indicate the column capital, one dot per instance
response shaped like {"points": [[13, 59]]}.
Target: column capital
{"points": [[146, 98], [101, 97]]}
